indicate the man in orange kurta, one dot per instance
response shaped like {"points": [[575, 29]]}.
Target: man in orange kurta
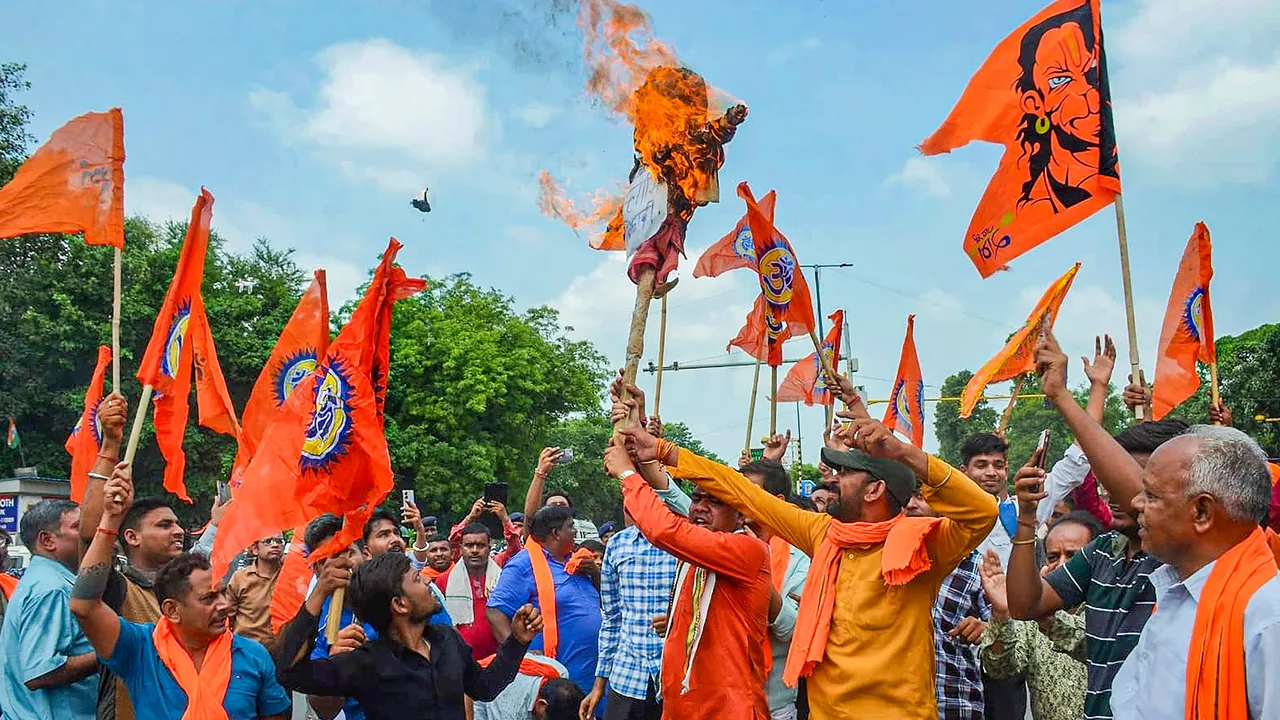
{"points": [[713, 663], [865, 634]]}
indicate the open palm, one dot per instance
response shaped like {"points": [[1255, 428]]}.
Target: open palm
{"points": [[993, 584]]}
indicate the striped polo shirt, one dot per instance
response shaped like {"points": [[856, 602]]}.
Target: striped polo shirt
{"points": [[1118, 598]]}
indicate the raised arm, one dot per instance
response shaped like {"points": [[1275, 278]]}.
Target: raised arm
{"points": [[483, 684], [113, 411], [1118, 472], [733, 556], [1029, 596], [547, 460], [100, 623]]}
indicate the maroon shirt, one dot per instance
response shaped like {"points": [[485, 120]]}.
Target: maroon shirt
{"points": [[478, 634]]}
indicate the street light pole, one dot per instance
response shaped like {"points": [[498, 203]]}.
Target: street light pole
{"points": [[817, 289]]}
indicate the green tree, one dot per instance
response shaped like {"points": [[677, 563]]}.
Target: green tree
{"points": [[476, 389], [55, 307], [14, 117], [949, 428], [1248, 379]]}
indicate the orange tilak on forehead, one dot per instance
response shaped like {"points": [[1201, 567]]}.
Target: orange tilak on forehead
{"points": [[1062, 49]]}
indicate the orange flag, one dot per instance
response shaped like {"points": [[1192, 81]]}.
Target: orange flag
{"points": [[86, 436], [179, 340], [325, 451], [734, 250], [1187, 335], [804, 383], [905, 413], [1043, 94], [291, 582], [304, 339], [1017, 357], [760, 338], [73, 184], [786, 294]]}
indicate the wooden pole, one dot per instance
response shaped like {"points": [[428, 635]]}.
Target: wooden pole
{"points": [[635, 339], [773, 402], [115, 323], [140, 414], [1008, 411], [333, 621], [751, 411], [1214, 397], [1128, 296], [662, 353]]}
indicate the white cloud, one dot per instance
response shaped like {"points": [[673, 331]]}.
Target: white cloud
{"points": [[158, 200], [385, 113], [922, 173], [1197, 89], [537, 115], [785, 52], [341, 278]]}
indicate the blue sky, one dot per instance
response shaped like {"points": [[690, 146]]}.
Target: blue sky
{"points": [[314, 128]]}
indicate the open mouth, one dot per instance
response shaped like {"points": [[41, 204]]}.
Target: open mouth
{"points": [[700, 521]]}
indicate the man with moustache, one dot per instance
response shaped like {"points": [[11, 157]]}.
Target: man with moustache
{"points": [[250, 590]]}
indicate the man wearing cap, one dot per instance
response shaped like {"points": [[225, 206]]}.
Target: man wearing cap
{"points": [[864, 634]]}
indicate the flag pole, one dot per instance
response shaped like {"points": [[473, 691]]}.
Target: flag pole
{"points": [[1008, 411], [1213, 385], [751, 411], [144, 404], [773, 402], [662, 351], [635, 338], [1138, 411], [333, 621], [115, 324]]}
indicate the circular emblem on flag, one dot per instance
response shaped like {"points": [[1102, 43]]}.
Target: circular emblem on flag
{"points": [[900, 404], [772, 325], [778, 272], [330, 430], [742, 245], [1193, 315], [95, 425], [293, 370], [177, 336]]}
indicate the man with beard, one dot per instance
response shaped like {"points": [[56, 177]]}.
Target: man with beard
{"points": [[825, 494], [47, 667], [414, 669], [1110, 575], [466, 590], [187, 664], [439, 558], [249, 591]]}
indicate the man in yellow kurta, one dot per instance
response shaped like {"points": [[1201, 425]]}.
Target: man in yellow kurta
{"points": [[865, 634]]}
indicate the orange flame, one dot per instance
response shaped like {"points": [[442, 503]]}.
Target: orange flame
{"points": [[637, 77]]}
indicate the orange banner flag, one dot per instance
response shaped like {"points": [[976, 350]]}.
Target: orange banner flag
{"points": [[86, 436], [1187, 334], [1043, 94], [180, 336], [761, 338], [1018, 357], [804, 383], [325, 451], [786, 294], [905, 413], [734, 250], [74, 183], [305, 338], [295, 575]]}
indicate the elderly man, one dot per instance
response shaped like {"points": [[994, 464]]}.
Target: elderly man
{"points": [[1217, 632]]}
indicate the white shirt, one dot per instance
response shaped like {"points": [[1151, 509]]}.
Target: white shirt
{"points": [[999, 539], [516, 701], [1153, 679], [1065, 476]]}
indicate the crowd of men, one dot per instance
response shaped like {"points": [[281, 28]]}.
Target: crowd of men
{"points": [[902, 588]]}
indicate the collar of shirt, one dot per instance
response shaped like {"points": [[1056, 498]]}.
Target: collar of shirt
{"points": [[52, 567], [1165, 578]]}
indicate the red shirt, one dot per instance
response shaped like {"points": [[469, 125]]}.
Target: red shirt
{"points": [[727, 678], [478, 634]]}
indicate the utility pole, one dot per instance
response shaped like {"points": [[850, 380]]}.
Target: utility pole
{"points": [[817, 289]]}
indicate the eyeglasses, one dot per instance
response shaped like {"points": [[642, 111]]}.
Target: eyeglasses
{"points": [[272, 541]]}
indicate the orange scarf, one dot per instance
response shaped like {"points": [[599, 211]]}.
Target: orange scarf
{"points": [[575, 561], [206, 687], [779, 558], [904, 557], [8, 584], [1215, 668], [546, 588], [532, 668], [430, 574]]}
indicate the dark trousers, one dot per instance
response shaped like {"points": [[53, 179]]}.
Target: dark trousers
{"points": [[621, 707], [1005, 699]]}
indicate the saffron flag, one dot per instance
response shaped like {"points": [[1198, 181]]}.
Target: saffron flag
{"points": [[782, 283], [180, 339], [305, 338], [1043, 94], [1187, 335], [295, 575], [1018, 356], [325, 450], [734, 250], [805, 383], [760, 337], [74, 183], [86, 436], [905, 413]]}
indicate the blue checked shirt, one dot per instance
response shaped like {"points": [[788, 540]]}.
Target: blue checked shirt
{"points": [[959, 676], [635, 585]]}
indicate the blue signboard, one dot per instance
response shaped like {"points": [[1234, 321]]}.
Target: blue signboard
{"points": [[806, 488], [9, 513]]}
